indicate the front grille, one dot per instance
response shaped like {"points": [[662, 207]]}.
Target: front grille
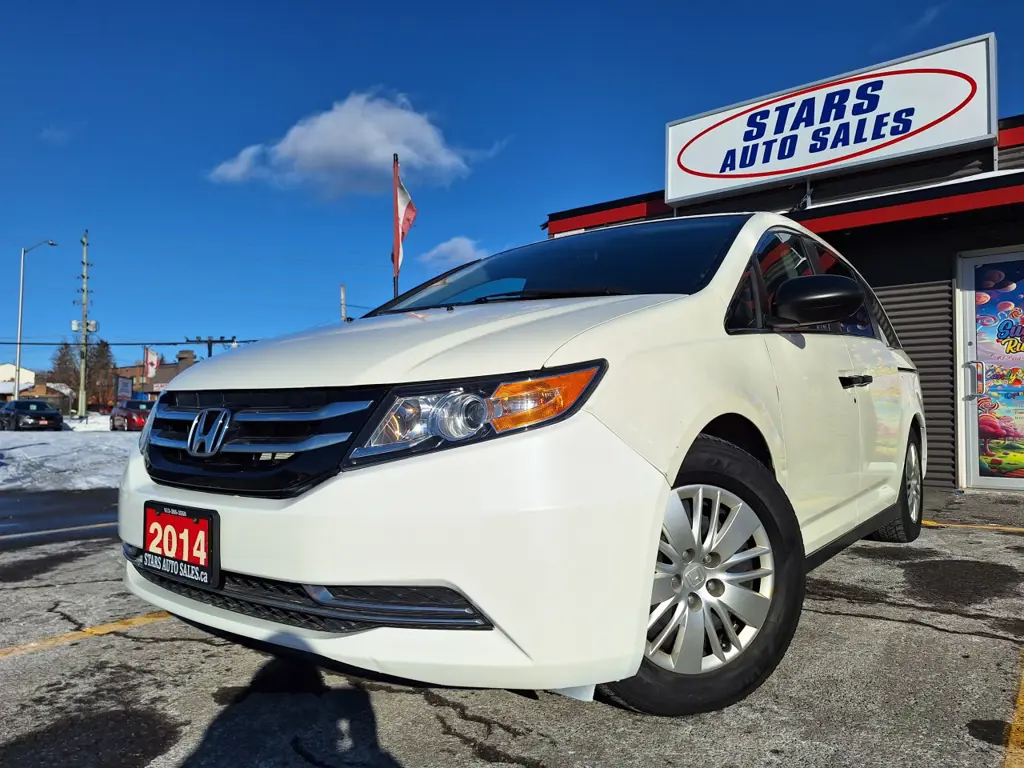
{"points": [[279, 442], [339, 610]]}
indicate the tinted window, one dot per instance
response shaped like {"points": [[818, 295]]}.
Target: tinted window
{"points": [[780, 259], [677, 256], [743, 310], [859, 323], [138, 405]]}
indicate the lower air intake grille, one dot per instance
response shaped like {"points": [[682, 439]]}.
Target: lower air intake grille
{"points": [[339, 610]]}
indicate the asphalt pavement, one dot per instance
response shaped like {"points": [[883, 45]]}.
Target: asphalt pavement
{"points": [[905, 656], [30, 518]]}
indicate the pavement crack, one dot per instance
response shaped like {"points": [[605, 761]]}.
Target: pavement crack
{"points": [[462, 712], [826, 592], [55, 609], [913, 622], [484, 751], [459, 709]]}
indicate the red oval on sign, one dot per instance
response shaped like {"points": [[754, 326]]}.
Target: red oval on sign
{"points": [[873, 76]]}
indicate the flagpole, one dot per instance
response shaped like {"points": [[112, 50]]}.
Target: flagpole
{"points": [[398, 234]]}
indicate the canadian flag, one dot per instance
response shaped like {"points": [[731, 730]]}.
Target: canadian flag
{"points": [[152, 361], [405, 214]]}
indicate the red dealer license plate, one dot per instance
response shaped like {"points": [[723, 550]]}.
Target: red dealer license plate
{"points": [[181, 543]]}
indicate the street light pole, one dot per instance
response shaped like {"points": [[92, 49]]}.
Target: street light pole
{"points": [[21, 304]]}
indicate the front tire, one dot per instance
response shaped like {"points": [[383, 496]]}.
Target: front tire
{"points": [[907, 525], [727, 591]]}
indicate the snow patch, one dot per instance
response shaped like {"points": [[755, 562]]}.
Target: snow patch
{"points": [[72, 460]]}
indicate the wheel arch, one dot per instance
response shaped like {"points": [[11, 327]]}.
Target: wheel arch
{"points": [[739, 423], [743, 433]]}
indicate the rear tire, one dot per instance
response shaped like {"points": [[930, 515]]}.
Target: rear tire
{"points": [[907, 525], [735, 662]]}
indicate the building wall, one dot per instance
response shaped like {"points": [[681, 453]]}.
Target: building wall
{"points": [[7, 371]]}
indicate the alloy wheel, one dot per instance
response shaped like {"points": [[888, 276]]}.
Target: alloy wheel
{"points": [[913, 475], [713, 581]]}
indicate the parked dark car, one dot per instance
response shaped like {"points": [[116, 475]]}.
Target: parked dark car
{"points": [[30, 414], [130, 414]]}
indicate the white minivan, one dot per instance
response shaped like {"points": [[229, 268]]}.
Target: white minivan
{"points": [[602, 461]]}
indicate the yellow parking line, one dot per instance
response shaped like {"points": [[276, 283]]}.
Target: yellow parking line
{"points": [[1007, 528], [98, 631], [1015, 744]]}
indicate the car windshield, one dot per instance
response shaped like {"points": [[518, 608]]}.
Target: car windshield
{"points": [[677, 256], [25, 405], [138, 405]]}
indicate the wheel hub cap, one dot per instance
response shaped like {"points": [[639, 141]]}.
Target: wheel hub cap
{"points": [[713, 581], [694, 577]]}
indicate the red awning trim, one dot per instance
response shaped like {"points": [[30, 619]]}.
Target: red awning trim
{"points": [[938, 207], [1011, 137], [610, 216]]}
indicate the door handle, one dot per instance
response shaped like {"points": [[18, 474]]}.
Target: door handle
{"points": [[855, 381], [978, 384]]}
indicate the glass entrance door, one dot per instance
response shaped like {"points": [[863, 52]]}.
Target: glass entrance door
{"points": [[994, 369]]}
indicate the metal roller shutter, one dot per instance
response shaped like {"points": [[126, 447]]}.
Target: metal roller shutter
{"points": [[922, 314]]}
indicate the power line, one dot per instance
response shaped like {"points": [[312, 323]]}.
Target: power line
{"points": [[127, 343]]}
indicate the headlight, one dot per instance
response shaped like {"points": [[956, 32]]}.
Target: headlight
{"points": [[434, 417]]}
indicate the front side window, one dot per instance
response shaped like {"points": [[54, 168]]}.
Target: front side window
{"points": [[676, 256], [859, 323], [742, 314], [780, 259]]}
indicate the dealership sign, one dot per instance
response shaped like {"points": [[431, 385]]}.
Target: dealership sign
{"points": [[934, 102]]}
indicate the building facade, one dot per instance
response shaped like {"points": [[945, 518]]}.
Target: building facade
{"points": [[905, 169]]}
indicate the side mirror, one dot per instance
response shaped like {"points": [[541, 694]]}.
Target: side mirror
{"points": [[815, 300]]}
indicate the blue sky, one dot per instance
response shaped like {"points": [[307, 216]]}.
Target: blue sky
{"points": [[130, 121]]}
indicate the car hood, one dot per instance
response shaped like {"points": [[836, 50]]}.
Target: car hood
{"points": [[427, 345]]}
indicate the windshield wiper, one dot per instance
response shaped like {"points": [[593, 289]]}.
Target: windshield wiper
{"points": [[522, 295], [541, 293]]}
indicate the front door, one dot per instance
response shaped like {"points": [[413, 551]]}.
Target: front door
{"points": [[994, 369]]}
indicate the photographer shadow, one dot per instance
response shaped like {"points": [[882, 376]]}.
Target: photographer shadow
{"points": [[288, 714]]}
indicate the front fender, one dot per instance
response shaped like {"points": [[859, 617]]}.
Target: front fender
{"points": [[659, 392]]}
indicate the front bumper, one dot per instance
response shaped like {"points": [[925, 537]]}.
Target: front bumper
{"points": [[550, 534], [49, 426]]}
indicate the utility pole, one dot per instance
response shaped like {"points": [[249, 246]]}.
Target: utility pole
{"points": [[343, 302], [82, 368], [209, 341]]}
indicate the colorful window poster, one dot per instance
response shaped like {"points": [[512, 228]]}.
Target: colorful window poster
{"points": [[999, 311]]}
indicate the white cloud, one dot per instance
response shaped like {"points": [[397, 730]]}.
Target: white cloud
{"points": [[912, 30], [458, 250], [926, 19], [242, 166], [349, 148], [55, 134]]}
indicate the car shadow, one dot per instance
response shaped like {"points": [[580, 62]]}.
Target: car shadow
{"points": [[288, 709]]}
